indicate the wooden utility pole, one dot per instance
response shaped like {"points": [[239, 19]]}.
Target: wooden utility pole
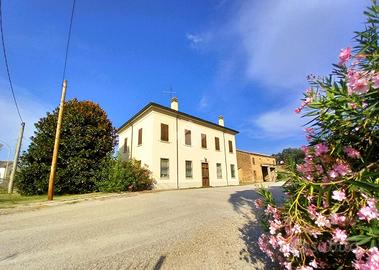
{"points": [[53, 169], [16, 156]]}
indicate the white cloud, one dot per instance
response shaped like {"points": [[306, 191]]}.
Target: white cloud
{"points": [[279, 42], [31, 107], [203, 103], [282, 123]]}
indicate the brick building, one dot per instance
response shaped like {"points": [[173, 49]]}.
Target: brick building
{"points": [[255, 168]]}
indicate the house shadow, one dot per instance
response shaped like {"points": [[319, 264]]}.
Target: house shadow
{"points": [[243, 204]]}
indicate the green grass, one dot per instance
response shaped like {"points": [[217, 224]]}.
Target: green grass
{"points": [[15, 199]]}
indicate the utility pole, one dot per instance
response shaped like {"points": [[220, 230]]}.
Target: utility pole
{"points": [[16, 156], [53, 169]]}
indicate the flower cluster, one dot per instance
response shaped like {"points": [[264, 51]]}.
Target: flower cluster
{"points": [[330, 216]]}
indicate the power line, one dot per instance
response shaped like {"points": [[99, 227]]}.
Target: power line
{"points": [[6, 63], [68, 39]]}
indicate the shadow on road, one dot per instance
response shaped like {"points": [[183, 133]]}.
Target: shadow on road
{"points": [[243, 203], [159, 263]]}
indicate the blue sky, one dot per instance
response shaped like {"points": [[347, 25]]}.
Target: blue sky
{"points": [[246, 60]]}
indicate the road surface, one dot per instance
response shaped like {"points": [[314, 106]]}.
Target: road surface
{"points": [[213, 228]]}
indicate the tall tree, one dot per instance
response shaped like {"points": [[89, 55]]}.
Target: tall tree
{"points": [[87, 138]]}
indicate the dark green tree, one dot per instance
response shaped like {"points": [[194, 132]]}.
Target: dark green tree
{"points": [[290, 155], [87, 138]]}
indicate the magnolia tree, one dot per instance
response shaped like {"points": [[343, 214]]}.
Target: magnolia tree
{"points": [[330, 218]]}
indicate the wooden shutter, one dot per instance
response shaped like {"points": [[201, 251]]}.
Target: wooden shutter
{"points": [[187, 134], [217, 143], [230, 146], [203, 141], [126, 145], [140, 136], [164, 132]]}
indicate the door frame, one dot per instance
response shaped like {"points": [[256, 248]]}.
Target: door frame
{"points": [[204, 177]]}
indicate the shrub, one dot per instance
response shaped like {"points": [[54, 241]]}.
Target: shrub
{"points": [[330, 217], [119, 175], [87, 138]]}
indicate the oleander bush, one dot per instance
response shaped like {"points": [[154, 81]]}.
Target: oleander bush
{"points": [[330, 217], [118, 176]]}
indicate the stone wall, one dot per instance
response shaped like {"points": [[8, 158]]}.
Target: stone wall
{"points": [[253, 168]]}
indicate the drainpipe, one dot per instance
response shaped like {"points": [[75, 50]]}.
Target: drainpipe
{"points": [[226, 163], [131, 145], [177, 154]]}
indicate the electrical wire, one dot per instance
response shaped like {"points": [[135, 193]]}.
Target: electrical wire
{"points": [[68, 39], [6, 63]]}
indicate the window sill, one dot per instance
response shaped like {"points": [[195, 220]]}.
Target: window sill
{"points": [[164, 141]]}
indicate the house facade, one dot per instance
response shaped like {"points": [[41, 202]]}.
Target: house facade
{"points": [[180, 150], [255, 168]]}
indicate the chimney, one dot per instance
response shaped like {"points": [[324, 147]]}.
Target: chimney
{"points": [[221, 120], [174, 103]]}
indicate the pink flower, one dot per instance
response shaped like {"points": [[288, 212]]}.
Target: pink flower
{"points": [[342, 168], [333, 174], [373, 258], [351, 152], [322, 221], [274, 226], [323, 247], [312, 211], [375, 81], [296, 229], [339, 236], [368, 213], [304, 268], [357, 82], [297, 110], [313, 264], [352, 105], [258, 203], [359, 252], [287, 265], [339, 195], [336, 219], [344, 56], [321, 149]]}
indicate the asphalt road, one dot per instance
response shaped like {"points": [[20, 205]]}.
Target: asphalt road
{"points": [[212, 228]]}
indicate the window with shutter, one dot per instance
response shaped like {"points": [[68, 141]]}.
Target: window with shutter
{"points": [[140, 136], [164, 168], [187, 135], [188, 169], [230, 147], [219, 170], [126, 145], [203, 141], [217, 143], [164, 132], [232, 171]]}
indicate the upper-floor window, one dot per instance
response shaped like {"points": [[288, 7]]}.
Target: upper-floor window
{"points": [[217, 143], [164, 132], [253, 160], [230, 147], [188, 169], [140, 136], [219, 170], [126, 145], [203, 141], [165, 168], [187, 135], [232, 170]]}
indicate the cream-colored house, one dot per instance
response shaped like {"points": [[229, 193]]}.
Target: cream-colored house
{"points": [[181, 150]]}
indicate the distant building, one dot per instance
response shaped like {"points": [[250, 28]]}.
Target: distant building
{"points": [[181, 150], [5, 172], [254, 167]]}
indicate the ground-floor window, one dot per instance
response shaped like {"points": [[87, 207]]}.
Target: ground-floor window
{"points": [[232, 170], [164, 168], [188, 169], [219, 170]]}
